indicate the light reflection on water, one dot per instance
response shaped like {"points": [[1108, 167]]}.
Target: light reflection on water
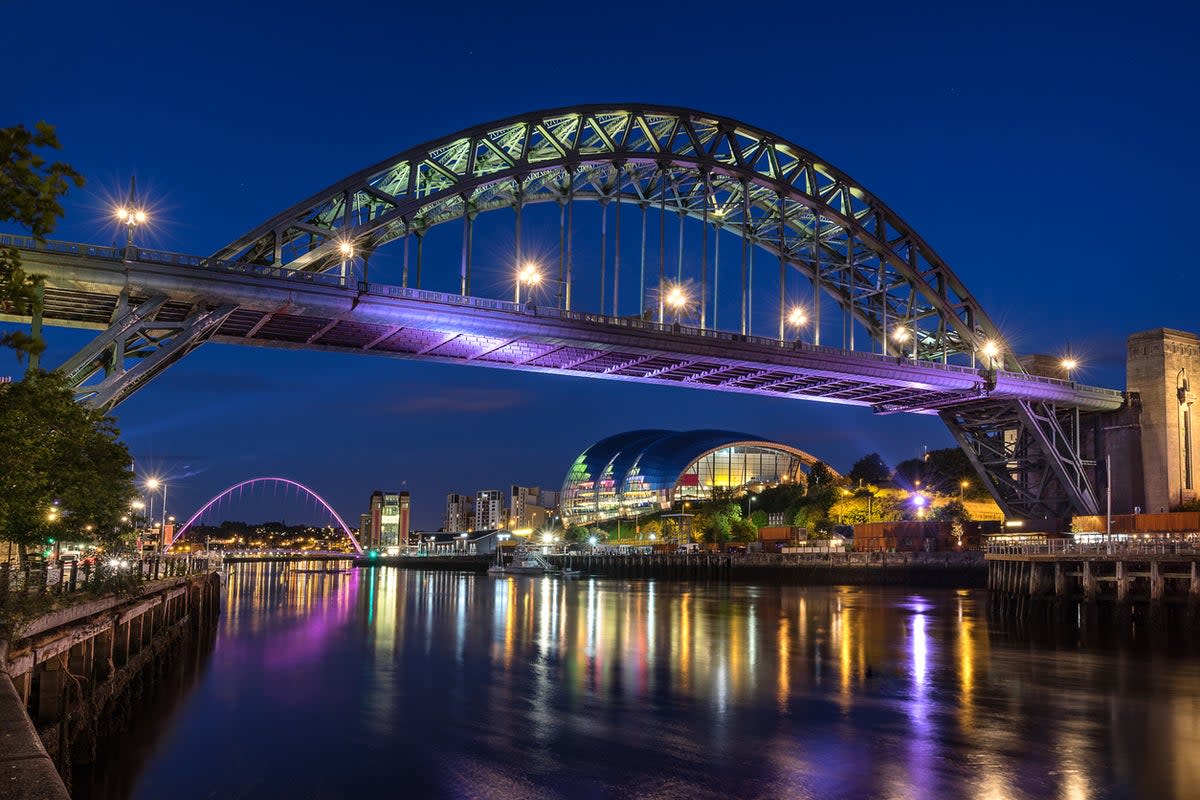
{"points": [[433, 684]]}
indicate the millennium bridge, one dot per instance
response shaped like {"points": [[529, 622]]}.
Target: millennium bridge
{"points": [[862, 310]]}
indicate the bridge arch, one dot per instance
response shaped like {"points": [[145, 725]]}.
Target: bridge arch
{"points": [[266, 479], [773, 194]]}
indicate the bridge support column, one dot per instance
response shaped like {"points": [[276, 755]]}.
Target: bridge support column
{"points": [[1060, 580], [1122, 582]]}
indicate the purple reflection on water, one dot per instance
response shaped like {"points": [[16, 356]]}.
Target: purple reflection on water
{"points": [[452, 686]]}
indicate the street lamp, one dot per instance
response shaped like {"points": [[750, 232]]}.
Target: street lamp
{"points": [[131, 214], [529, 274], [990, 350], [677, 299], [962, 488], [154, 484], [797, 319], [1069, 365], [346, 249]]}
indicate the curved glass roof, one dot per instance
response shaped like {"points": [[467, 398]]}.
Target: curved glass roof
{"points": [[648, 460]]}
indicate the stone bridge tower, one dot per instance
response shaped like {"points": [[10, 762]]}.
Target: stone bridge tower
{"points": [[1163, 371]]}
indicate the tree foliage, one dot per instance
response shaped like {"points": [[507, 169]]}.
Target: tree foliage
{"points": [[820, 477], [56, 453], [942, 472], [870, 469], [30, 191]]}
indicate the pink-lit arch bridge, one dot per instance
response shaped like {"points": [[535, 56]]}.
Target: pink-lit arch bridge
{"points": [[259, 481]]}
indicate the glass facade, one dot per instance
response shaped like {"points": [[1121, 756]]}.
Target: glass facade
{"points": [[644, 471]]}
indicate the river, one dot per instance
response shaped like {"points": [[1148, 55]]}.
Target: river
{"points": [[392, 683]]}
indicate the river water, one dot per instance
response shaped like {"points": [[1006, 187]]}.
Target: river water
{"points": [[393, 683]]}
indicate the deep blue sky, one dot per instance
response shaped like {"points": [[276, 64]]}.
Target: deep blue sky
{"points": [[1046, 153]]}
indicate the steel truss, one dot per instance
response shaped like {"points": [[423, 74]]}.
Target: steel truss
{"points": [[773, 194], [1025, 454], [135, 334]]}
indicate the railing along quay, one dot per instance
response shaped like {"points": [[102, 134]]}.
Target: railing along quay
{"points": [[1157, 573], [69, 577], [954, 568]]}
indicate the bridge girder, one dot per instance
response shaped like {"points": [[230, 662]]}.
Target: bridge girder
{"points": [[739, 178]]}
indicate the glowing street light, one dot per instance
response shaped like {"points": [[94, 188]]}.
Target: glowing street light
{"points": [[529, 274], [796, 318], [677, 299], [131, 215], [962, 488], [1069, 365], [990, 350], [154, 484]]}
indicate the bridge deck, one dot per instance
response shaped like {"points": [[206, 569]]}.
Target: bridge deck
{"points": [[278, 307]]}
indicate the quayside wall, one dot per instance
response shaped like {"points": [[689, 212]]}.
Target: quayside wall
{"points": [[954, 570], [67, 669]]}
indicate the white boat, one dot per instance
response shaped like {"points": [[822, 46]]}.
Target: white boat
{"points": [[523, 563]]}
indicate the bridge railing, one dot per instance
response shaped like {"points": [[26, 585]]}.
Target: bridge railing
{"points": [[152, 256]]}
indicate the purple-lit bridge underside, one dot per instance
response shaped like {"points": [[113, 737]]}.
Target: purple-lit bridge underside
{"points": [[87, 287]]}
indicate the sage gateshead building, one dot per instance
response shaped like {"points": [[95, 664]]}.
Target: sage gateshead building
{"points": [[645, 471]]}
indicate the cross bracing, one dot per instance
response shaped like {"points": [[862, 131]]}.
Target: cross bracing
{"points": [[734, 177]]}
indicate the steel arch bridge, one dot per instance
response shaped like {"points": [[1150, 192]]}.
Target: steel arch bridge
{"points": [[770, 193], [913, 338], [258, 481]]}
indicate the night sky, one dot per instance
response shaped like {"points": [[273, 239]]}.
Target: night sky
{"points": [[1047, 155]]}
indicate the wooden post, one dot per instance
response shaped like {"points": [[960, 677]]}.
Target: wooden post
{"points": [[1158, 584], [103, 653], [1089, 582], [51, 687], [1060, 580], [1122, 582]]}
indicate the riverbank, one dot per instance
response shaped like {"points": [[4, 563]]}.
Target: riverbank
{"points": [[941, 570], [64, 671]]}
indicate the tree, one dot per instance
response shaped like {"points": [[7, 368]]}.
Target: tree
{"points": [[943, 472], [743, 530], [30, 189], [759, 519], [953, 511], [819, 477], [871, 469], [63, 472]]}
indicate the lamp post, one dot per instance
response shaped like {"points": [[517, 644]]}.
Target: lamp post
{"points": [[990, 350], [677, 299], [797, 319], [154, 484], [347, 251], [962, 490], [1069, 365], [529, 274], [131, 215]]}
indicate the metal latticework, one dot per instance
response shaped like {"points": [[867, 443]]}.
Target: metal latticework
{"points": [[1024, 453], [774, 194]]}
